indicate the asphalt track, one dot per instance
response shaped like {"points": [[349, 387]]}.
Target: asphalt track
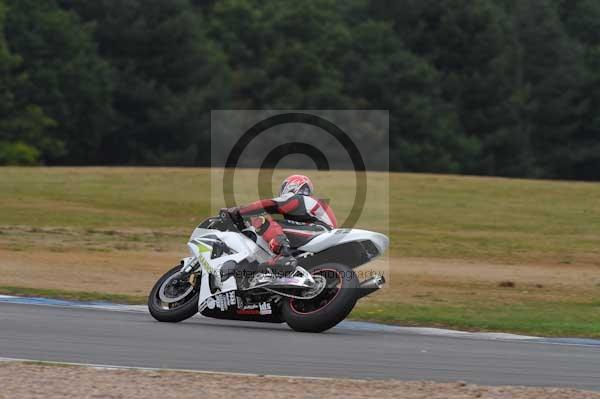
{"points": [[129, 338]]}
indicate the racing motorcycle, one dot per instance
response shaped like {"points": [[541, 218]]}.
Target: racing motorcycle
{"points": [[217, 279]]}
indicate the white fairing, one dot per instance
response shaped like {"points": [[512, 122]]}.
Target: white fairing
{"points": [[200, 245], [244, 248], [238, 242], [341, 236]]}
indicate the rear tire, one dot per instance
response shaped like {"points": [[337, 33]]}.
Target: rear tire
{"points": [[328, 308], [184, 310]]}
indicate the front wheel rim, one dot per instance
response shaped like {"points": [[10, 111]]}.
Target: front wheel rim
{"points": [[172, 291]]}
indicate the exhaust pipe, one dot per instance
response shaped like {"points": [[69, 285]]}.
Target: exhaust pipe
{"points": [[369, 286]]}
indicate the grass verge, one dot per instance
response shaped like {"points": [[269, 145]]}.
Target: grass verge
{"points": [[73, 295], [548, 319]]}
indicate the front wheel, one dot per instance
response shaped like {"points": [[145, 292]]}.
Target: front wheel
{"points": [[173, 300], [328, 308]]}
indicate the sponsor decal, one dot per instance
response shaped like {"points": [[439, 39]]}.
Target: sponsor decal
{"points": [[205, 264], [228, 299], [342, 231], [231, 298], [248, 311], [265, 308], [224, 301], [220, 301], [211, 303]]}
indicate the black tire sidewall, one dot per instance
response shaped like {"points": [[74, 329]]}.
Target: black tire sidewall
{"points": [[181, 313], [334, 312]]}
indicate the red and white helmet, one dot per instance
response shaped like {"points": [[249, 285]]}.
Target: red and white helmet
{"points": [[296, 184]]}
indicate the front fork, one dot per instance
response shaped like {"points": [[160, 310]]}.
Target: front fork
{"points": [[189, 267]]}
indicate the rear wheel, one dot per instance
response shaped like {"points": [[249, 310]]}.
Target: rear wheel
{"points": [[172, 299], [328, 308]]}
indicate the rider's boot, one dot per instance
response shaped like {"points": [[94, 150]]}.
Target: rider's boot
{"points": [[281, 265]]}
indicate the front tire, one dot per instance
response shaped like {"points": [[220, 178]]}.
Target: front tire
{"points": [[330, 307], [176, 312]]}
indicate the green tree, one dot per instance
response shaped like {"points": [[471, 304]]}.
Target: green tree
{"points": [[282, 54], [582, 21], [381, 73], [473, 86], [551, 81], [18, 153], [168, 77], [22, 123], [469, 44], [321, 54], [65, 77]]}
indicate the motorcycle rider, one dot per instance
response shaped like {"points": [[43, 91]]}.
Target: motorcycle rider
{"points": [[304, 217]]}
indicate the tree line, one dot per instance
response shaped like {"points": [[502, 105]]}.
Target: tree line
{"points": [[490, 87]]}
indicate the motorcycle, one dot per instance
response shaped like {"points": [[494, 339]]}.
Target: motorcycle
{"points": [[217, 279]]}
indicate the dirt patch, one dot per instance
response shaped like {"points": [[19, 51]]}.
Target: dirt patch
{"points": [[49, 382], [412, 280], [122, 272]]}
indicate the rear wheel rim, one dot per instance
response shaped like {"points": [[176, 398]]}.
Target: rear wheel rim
{"points": [[332, 289]]}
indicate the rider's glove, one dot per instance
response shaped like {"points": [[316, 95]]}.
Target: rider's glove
{"points": [[235, 215]]}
